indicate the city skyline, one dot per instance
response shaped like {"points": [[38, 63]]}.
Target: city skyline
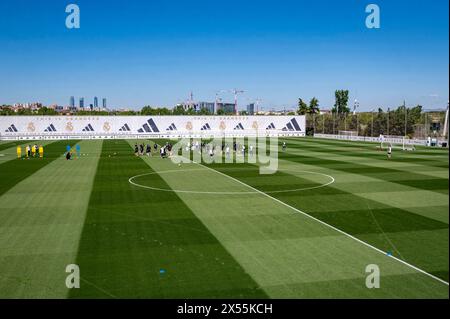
{"points": [[276, 52]]}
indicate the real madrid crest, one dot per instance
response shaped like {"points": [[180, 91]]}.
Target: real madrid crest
{"points": [[69, 126], [31, 127], [106, 126], [222, 126], [255, 125], [188, 126]]}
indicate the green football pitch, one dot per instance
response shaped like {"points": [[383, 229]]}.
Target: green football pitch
{"points": [[145, 227]]}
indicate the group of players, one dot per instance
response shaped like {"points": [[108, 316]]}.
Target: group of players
{"points": [[164, 151], [211, 149], [31, 151]]}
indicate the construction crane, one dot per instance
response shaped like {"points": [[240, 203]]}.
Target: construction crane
{"points": [[236, 92]]}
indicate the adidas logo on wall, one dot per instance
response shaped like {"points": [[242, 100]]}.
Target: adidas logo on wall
{"points": [[51, 128], [292, 125], [172, 127], [270, 127], [149, 127], [239, 127], [88, 128], [125, 128], [12, 128], [205, 127]]}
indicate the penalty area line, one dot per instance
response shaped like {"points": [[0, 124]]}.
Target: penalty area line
{"points": [[328, 225]]}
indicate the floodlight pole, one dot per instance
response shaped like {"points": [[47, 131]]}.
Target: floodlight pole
{"points": [[372, 121], [334, 120], [388, 111], [406, 117], [323, 125], [357, 125], [314, 123]]}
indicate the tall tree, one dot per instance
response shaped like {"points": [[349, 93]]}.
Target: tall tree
{"points": [[314, 106], [302, 107], [341, 102]]}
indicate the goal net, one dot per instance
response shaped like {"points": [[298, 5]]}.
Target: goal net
{"points": [[396, 142], [348, 133]]}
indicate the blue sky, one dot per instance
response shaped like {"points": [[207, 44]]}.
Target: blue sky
{"points": [[138, 53]]}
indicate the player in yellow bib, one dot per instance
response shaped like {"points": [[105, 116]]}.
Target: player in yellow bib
{"points": [[41, 151], [33, 151], [19, 151]]}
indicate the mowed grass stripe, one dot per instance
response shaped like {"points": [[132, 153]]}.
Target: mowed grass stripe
{"points": [[402, 189], [429, 158], [394, 193], [327, 158], [6, 145], [353, 214], [364, 151], [283, 250], [17, 170], [344, 206], [11, 153], [144, 244], [41, 218]]}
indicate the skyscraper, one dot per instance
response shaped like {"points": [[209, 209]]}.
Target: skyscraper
{"points": [[81, 102], [72, 102], [104, 103], [96, 102], [251, 109]]}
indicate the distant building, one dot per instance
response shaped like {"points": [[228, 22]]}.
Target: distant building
{"points": [[81, 102], [35, 106], [251, 109], [96, 102], [91, 107], [226, 107], [209, 106], [72, 101], [104, 103]]}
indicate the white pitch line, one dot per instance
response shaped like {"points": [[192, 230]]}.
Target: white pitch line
{"points": [[330, 226], [132, 182]]}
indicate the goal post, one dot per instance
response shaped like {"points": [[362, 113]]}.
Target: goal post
{"points": [[396, 142]]}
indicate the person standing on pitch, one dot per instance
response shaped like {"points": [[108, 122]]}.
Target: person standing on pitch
{"points": [[389, 152], [19, 151], [78, 149], [68, 149], [41, 151], [28, 150]]}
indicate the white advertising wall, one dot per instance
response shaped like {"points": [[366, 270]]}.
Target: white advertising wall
{"points": [[123, 127]]}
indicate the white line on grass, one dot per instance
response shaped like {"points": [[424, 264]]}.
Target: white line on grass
{"points": [[328, 225], [131, 181]]}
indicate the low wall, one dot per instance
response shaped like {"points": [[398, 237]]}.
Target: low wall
{"points": [[143, 127]]}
